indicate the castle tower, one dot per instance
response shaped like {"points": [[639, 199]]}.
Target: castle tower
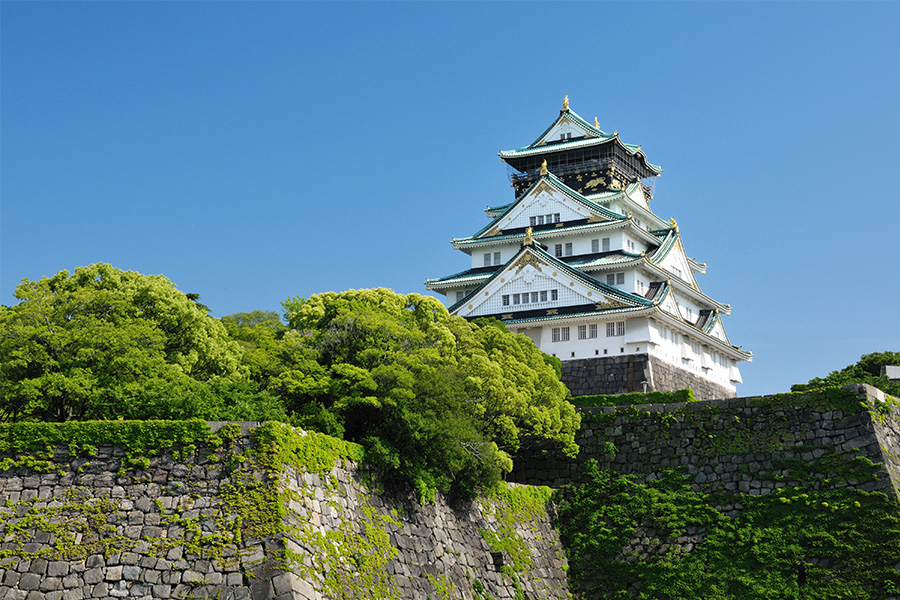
{"points": [[580, 264]]}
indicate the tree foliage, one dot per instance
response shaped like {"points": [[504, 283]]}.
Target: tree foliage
{"points": [[436, 400], [103, 343], [867, 370]]}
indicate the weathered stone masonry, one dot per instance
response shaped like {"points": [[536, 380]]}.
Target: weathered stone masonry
{"points": [[727, 445], [437, 546], [628, 373]]}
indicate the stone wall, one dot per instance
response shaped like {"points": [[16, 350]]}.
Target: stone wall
{"points": [[627, 373], [735, 445], [78, 528], [668, 378]]}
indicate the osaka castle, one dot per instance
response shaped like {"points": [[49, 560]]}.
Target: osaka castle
{"points": [[580, 263]]}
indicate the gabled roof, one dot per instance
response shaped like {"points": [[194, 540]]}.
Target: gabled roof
{"points": [[671, 242], [566, 115], [621, 298], [463, 277], [556, 183], [593, 136]]}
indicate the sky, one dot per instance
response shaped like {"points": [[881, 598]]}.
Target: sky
{"points": [[252, 152]]}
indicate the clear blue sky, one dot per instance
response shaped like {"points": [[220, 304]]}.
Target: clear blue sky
{"points": [[256, 151]]}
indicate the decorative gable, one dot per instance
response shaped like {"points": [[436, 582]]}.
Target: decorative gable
{"points": [[670, 305], [718, 332], [676, 263], [533, 282], [544, 204]]}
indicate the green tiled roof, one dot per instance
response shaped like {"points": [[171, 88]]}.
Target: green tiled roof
{"points": [[595, 137], [473, 239], [638, 301], [557, 183]]}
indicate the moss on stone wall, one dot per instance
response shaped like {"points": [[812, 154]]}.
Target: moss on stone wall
{"points": [[803, 520]]}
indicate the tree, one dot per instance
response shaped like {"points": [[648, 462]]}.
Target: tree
{"points": [[438, 401], [104, 343], [259, 333], [867, 370]]}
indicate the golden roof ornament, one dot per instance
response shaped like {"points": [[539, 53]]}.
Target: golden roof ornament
{"points": [[596, 123], [544, 168], [674, 224], [566, 103], [529, 237]]}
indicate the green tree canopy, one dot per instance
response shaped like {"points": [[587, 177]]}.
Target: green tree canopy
{"points": [[867, 370], [259, 333], [437, 400], [104, 343]]}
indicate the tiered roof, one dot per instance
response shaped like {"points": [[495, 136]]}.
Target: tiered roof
{"points": [[670, 271]]}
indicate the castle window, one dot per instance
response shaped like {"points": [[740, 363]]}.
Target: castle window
{"points": [[505, 299], [544, 296], [611, 279], [587, 331], [516, 299], [540, 219], [532, 221], [554, 295], [534, 297], [560, 334], [569, 249], [487, 259], [606, 244], [558, 250], [620, 278], [615, 329], [496, 258], [556, 217], [525, 298], [595, 245], [549, 219]]}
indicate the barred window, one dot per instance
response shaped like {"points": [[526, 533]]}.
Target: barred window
{"points": [[582, 332], [560, 334], [615, 329]]}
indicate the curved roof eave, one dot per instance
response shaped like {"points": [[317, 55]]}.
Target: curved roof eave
{"points": [[577, 144], [557, 184], [683, 286], [540, 235], [735, 352]]}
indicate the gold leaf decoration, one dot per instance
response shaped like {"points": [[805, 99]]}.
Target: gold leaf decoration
{"points": [[609, 304]]}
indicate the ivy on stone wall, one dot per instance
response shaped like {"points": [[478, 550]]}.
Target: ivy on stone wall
{"points": [[635, 398], [661, 540], [258, 484], [817, 534]]}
